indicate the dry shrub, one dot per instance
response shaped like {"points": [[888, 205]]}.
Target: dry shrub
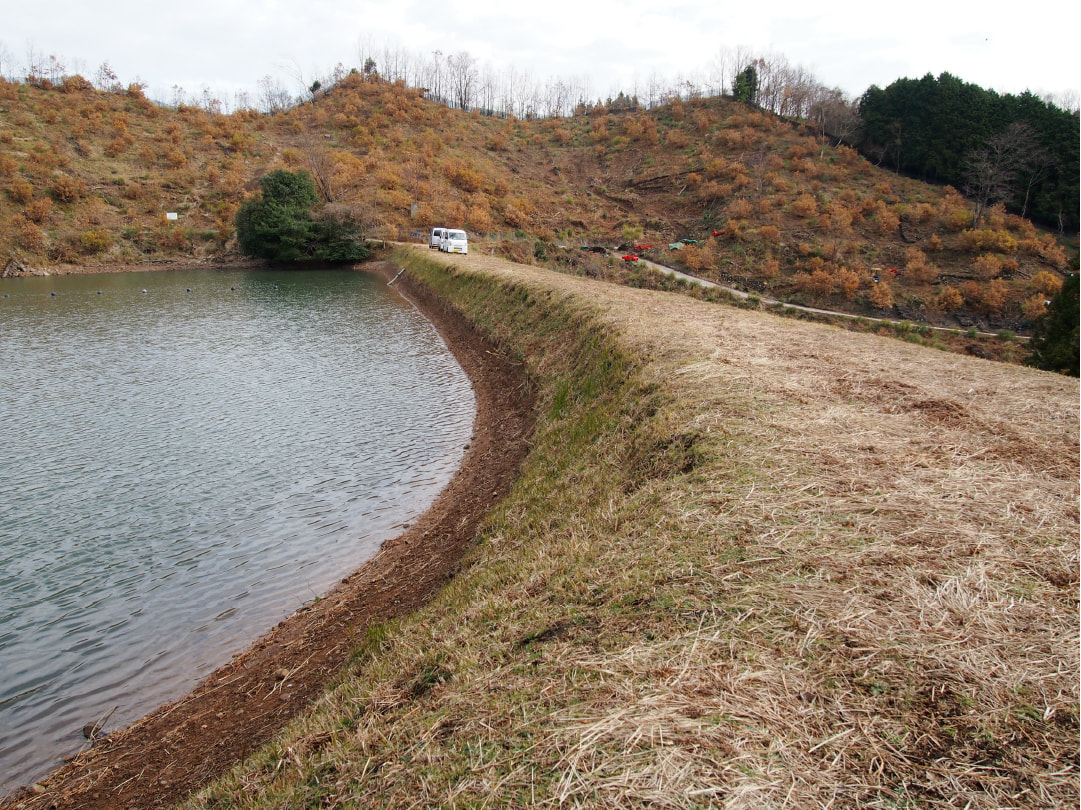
{"points": [[598, 128], [917, 268], [736, 229], [797, 152], [518, 212], [935, 242], [693, 180], [996, 217], [731, 138], [388, 177], [696, 257], [28, 235], [38, 210], [987, 239], [20, 191], [885, 221], [819, 283], [770, 233], [173, 238], [846, 282], [465, 177], [632, 128], [480, 219], [987, 266], [712, 190], [805, 206], [989, 298], [768, 268], [649, 132], [66, 188], [948, 299], [562, 135], [676, 138], [808, 167], [880, 295], [739, 209], [118, 145], [1045, 283], [1045, 248], [847, 154], [1035, 307], [924, 273], [775, 181], [840, 217], [765, 205], [1024, 227], [717, 168], [95, 241], [957, 220]]}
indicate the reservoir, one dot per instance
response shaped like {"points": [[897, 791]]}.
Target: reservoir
{"points": [[186, 458]]}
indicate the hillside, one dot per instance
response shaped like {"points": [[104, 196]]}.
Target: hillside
{"points": [[88, 177]]}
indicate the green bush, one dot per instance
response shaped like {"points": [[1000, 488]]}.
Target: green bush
{"points": [[279, 224]]}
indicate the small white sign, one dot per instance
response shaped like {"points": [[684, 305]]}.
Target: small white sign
{"points": [[172, 215]]}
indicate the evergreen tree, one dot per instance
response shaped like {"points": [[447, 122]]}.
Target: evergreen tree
{"points": [[746, 85], [1055, 347], [931, 128], [279, 225]]}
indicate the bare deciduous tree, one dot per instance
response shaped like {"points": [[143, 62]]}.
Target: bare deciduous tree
{"points": [[992, 170], [273, 97]]}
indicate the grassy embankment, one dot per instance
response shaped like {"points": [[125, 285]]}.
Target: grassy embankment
{"points": [[750, 562]]}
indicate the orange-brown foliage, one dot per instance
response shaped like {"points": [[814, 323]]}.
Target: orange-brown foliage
{"points": [[66, 188], [20, 191], [1045, 283], [38, 210], [804, 206], [948, 299]]}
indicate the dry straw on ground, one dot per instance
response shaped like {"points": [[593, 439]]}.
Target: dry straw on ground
{"points": [[783, 565]]}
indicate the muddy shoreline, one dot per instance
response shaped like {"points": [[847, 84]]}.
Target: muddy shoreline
{"points": [[182, 746], [17, 270]]}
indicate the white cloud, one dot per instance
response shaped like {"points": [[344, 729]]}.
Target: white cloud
{"points": [[231, 44]]}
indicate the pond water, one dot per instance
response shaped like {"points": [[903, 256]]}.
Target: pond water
{"points": [[187, 457]]}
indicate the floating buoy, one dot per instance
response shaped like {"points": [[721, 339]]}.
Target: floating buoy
{"points": [[53, 294], [144, 292], [99, 292], [189, 289]]}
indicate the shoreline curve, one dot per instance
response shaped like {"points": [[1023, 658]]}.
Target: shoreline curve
{"points": [[183, 745]]}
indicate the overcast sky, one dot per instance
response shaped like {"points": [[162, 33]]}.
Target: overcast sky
{"points": [[228, 45]]}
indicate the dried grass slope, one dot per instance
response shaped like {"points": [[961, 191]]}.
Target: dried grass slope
{"points": [[750, 562]]}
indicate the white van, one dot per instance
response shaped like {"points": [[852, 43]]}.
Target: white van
{"points": [[435, 240], [454, 241]]}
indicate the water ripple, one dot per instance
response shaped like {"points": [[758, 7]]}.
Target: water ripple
{"points": [[182, 470]]}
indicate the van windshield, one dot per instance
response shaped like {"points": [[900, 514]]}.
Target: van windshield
{"points": [[456, 234]]}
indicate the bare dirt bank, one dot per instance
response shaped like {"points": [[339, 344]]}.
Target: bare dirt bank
{"points": [[183, 745]]}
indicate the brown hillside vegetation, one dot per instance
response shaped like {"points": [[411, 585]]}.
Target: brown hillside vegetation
{"points": [[749, 562], [87, 177]]}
